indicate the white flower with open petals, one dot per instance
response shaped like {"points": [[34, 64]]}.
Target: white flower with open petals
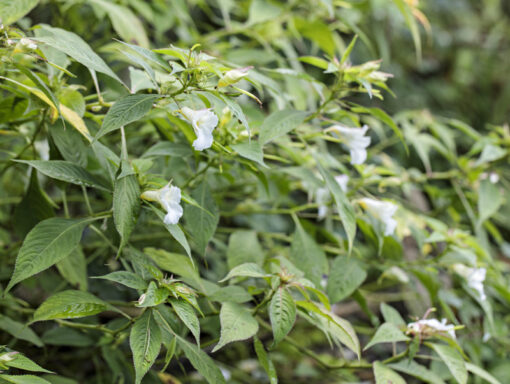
{"points": [[474, 277], [355, 139], [203, 122], [382, 211], [431, 327], [170, 198]]}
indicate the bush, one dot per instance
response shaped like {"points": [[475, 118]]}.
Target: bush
{"points": [[237, 206]]}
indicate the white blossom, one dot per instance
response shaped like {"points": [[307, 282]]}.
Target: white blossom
{"points": [[30, 44], [382, 211], [170, 198], [233, 76], [430, 326], [355, 139], [474, 277], [493, 177], [203, 122], [322, 196]]}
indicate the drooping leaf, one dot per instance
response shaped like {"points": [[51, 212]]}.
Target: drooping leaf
{"points": [[453, 361], [11, 11], [391, 315], [74, 46], [482, 373], [187, 314], [66, 171], [174, 263], [385, 375], [345, 277], [49, 242], [412, 368], [126, 202], [201, 362], [246, 270], [202, 222], [126, 110], [19, 330], [237, 323], [70, 305], [345, 210], [73, 268], [145, 342], [280, 123], [23, 379], [307, 254], [22, 362], [129, 279], [282, 313], [489, 200], [175, 230], [250, 150], [265, 361], [387, 333]]}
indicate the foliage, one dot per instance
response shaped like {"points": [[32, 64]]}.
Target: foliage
{"points": [[237, 206]]}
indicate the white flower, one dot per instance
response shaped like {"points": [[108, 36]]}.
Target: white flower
{"points": [[323, 196], [382, 211], [493, 177], [474, 277], [169, 197], [427, 327], [203, 122], [342, 181], [355, 139], [30, 44], [233, 76]]}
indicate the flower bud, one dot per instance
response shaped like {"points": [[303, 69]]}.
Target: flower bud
{"points": [[233, 76]]}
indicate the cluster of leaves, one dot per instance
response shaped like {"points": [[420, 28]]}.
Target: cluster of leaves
{"points": [[276, 270]]}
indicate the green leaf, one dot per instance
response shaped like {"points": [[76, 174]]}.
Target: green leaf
{"points": [[387, 333], [306, 254], [75, 47], [391, 315], [246, 270], [167, 148], [23, 379], [187, 314], [19, 330], [237, 323], [480, 372], [282, 313], [251, 150], [11, 11], [174, 263], [66, 171], [49, 242], [70, 305], [202, 222], [341, 331], [145, 342], [280, 123], [233, 293], [126, 110], [235, 108], [124, 22], [176, 231], [153, 296], [126, 203], [34, 207], [385, 375], [265, 361], [453, 361], [244, 247], [73, 268], [201, 362], [129, 279], [345, 209], [67, 336], [412, 368], [345, 277], [489, 200], [22, 362]]}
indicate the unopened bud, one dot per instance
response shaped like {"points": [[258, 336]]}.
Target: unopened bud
{"points": [[233, 76]]}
